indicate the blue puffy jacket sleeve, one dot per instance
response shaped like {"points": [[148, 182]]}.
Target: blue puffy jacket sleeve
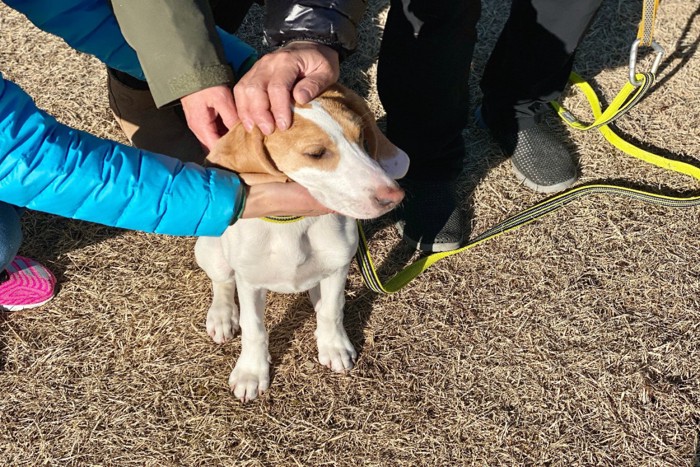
{"points": [[91, 27], [50, 167]]}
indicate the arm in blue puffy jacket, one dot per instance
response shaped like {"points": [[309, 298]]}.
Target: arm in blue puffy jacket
{"points": [[47, 166], [91, 27]]}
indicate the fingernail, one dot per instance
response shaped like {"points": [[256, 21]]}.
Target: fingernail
{"points": [[248, 125], [266, 128], [282, 124]]}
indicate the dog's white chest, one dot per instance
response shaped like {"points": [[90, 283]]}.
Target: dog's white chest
{"points": [[291, 257]]}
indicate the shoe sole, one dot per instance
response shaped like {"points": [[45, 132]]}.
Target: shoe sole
{"points": [[427, 247], [541, 188], [7, 308]]}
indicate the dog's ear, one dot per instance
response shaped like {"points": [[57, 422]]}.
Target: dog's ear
{"points": [[393, 160], [243, 152]]}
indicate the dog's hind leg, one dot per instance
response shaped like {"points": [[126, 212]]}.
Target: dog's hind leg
{"points": [[251, 375], [334, 348], [222, 317]]}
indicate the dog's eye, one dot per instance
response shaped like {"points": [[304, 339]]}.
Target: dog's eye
{"points": [[316, 153], [363, 143], [368, 140]]}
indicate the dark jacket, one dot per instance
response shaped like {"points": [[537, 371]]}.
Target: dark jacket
{"points": [[333, 23]]}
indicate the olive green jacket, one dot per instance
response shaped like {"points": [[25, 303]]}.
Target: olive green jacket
{"points": [[177, 45], [180, 51]]}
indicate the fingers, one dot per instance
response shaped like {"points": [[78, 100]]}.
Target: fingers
{"points": [[210, 113], [281, 199], [299, 71], [281, 104], [263, 95], [226, 108], [253, 105], [318, 75], [206, 132], [307, 89]]}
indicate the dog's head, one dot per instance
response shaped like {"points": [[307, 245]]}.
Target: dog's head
{"points": [[333, 148]]}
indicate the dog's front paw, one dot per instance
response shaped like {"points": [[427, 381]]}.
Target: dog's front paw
{"points": [[222, 323], [336, 352], [249, 379]]}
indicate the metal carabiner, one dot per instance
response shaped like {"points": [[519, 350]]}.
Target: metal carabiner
{"points": [[633, 60]]}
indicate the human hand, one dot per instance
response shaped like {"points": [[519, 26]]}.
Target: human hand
{"points": [[210, 113], [281, 199], [301, 70]]}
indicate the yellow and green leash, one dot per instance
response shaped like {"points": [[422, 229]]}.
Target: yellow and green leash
{"points": [[631, 93]]}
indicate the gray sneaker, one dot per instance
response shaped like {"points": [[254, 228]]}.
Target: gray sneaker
{"points": [[539, 159], [430, 219]]}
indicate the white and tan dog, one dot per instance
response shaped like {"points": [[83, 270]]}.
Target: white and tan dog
{"points": [[323, 150]]}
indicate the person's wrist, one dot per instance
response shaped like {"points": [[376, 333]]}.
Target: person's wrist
{"points": [[262, 200], [253, 197], [333, 51], [245, 193]]}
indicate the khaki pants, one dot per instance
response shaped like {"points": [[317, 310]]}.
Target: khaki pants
{"points": [[165, 130], [162, 130]]}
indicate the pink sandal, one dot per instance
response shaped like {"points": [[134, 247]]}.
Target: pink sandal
{"points": [[25, 284]]}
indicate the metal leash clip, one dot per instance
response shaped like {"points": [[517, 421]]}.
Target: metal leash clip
{"points": [[658, 49]]}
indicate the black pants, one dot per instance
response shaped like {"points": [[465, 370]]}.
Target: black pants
{"points": [[424, 66], [423, 82], [532, 59]]}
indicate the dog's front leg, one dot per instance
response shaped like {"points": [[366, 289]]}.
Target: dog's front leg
{"points": [[251, 375], [222, 317], [334, 348]]}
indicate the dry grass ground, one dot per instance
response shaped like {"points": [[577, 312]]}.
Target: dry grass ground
{"points": [[573, 341]]}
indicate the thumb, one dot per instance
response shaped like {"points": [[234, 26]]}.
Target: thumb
{"points": [[309, 88]]}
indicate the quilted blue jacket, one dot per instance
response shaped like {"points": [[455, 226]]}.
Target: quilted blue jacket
{"points": [[50, 167], [47, 166]]}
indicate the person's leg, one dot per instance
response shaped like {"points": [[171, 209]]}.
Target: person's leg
{"points": [[423, 83], [164, 130], [24, 283], [530, 66], [229, 15], [10, 235]]}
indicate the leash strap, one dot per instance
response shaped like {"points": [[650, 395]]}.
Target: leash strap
{"points": [[628, 96], [645, 33]]}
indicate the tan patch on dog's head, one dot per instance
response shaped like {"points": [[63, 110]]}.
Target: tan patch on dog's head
{"points": [[304, 144], [243, 152]]}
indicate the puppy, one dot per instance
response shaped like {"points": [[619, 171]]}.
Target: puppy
{"points": [[334, 149]]}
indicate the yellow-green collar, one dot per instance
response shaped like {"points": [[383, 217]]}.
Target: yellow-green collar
{"points": [[282, 219]]}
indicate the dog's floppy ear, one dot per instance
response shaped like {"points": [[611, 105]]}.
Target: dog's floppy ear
{"points": [[244, 153], [393, 160]]}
